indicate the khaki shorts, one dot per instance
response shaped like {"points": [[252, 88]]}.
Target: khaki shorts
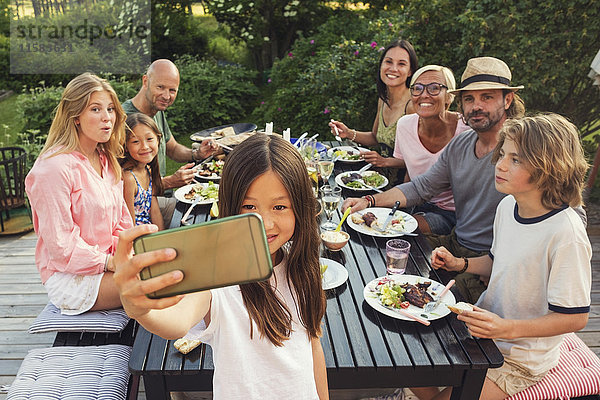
{"points": [[469, 285], [511, 378]]}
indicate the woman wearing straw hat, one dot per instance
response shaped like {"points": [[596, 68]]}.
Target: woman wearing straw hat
{"points": [[397, 65]]}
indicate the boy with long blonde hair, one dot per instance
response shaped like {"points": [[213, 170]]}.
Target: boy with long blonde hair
{"points": [[539, 263]]}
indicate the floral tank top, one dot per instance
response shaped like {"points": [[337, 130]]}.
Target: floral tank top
{"points": [[142, 201]]}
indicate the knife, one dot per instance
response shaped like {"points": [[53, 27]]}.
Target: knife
{"points": [[389, 218], [409, 315]]}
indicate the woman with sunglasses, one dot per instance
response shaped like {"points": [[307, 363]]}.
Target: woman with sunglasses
{"points": [[397, 64], [421, 137]]}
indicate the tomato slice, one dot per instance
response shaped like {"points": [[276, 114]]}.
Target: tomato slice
{"points": [[404, 304]]}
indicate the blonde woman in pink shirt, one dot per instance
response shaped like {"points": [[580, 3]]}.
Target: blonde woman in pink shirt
{"points": [[76, 195]]}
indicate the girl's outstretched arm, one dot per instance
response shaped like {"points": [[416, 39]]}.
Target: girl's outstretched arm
{"points": [[170, 317], [155, 214], [319, 369]]}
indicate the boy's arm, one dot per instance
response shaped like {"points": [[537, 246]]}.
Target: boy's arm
{"points": [[319, 370], [485, 324]]}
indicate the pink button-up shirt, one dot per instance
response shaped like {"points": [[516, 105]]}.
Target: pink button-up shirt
{"points": [[77, 214]]}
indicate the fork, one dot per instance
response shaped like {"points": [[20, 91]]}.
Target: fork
{"points": [[187, 213], [368, 186], [429, 307]]}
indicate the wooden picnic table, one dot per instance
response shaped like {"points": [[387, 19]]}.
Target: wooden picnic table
{"points": [[363, 348]]}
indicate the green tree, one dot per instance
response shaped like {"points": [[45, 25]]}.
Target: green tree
{"points": [[269, 27], [548, 46]]}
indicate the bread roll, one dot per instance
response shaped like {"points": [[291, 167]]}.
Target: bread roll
{"points": [[460, 307], [186, 345]]}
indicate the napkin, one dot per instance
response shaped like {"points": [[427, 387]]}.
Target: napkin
{"points": [[269, 128]]}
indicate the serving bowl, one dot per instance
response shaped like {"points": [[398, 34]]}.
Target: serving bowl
{"points": [[335, 241]]}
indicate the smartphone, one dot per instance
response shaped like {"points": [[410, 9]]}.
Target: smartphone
{"points": [[224, 252]]}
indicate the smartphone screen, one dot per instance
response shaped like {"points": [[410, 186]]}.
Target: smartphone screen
{"points": [[228, 251]]}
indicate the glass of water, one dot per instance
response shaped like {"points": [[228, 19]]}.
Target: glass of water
{"points": [[331, 197], [396, 254]]}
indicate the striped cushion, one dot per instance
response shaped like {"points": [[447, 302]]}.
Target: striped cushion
{"points": [[577, 374], [51, 320], [70, 373]]}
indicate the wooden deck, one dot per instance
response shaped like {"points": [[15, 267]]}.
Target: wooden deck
{"points": [[22, 297]]}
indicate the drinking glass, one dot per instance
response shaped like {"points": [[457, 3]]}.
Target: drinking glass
{"points": [[325, 165], [311, 168], [331, 197], [396, 254]]}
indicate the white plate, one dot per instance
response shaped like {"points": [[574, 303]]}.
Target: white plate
{"points": [[338, 180], [334, 275], [410, 223], [347, 148], [179, 193], [212, 177], [434, 290]]}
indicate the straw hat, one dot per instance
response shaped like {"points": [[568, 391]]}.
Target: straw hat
{"points": [[486, 73]]}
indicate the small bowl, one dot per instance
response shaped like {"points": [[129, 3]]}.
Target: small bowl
{"points": [[335, 245]]}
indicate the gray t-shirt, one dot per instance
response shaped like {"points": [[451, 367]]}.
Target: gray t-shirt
{"points": [[472, 182], [161, 121]]}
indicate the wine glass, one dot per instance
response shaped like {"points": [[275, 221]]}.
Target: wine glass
{"points": [[325, 166], [331, 197], [311, 168]]}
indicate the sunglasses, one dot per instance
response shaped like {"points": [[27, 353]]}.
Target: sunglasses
{"points": [[432, 88]]}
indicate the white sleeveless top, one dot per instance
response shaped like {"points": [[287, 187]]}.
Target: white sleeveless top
{"points": [[254, 368]]}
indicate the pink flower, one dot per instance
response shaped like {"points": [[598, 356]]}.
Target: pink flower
{"points": [[381, 48], [269, 80], [356, 53], [290, 55], [312, 41], [326, 110], [262, 103], [373, 45], [278, 108], [390, 24]]}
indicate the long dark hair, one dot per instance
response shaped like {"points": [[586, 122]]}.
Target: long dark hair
{"points": [[128, 162], [382, 90], [253, 157]]}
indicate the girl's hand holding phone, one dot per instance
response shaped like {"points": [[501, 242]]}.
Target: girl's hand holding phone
{"points": [[132, 289]]}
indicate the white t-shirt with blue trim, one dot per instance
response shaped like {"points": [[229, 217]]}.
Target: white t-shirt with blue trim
{"points": [[540, 265]]}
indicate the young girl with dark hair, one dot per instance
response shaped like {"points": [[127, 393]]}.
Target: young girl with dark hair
{"points": [[265, 335], [141, 174]]}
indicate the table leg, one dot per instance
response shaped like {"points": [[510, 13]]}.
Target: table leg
{"points": [[155, 388], [471, 385]]}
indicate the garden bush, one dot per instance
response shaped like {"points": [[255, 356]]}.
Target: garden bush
{"points": [[327, 76], [38, 104], [211, 93]]}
